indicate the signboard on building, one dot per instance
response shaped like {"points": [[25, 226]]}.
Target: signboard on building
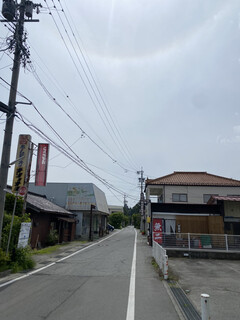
{"points": [[21, 163], [157, 230], [42, 164], [24, 234], [80, 198]]}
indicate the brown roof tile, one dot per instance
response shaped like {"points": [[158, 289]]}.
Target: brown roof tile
{"points": [[193, 179], [213, 199]]}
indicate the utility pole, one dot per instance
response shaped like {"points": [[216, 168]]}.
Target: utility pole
{"points": [[125, 207], [91, 223], [10, 9], [143, 218]]}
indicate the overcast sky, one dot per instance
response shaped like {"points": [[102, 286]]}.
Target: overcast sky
{"points": [[167, 96]]}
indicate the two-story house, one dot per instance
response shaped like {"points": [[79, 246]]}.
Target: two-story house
{"points": [[180, 200]]}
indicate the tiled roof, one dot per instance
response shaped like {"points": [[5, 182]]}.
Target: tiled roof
{"points": [[213, 199], [193, 179], [44, 205]]}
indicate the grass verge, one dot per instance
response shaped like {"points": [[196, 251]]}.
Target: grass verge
{"points": [[47, 250], [171, 275], [51, 249]]}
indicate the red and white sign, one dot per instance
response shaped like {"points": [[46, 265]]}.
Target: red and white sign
{"points": [[157, 230], [42, 164], [22, 191]]}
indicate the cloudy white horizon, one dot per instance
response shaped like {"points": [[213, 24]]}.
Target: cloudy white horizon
{"points": [[167, 96]]}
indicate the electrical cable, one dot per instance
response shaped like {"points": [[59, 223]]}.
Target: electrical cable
{"points": [[89, 82], [75, 158], [94, 81]]}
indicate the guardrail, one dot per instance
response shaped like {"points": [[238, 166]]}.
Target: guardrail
{"points": [[160, 256], [191, 241]]}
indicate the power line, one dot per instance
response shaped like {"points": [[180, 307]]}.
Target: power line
{"points": [[74, 157], [70, 117], [95, 82], [83, 165], [118, 144]]}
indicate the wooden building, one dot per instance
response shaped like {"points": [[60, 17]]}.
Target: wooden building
{"points": [[48, 218]]}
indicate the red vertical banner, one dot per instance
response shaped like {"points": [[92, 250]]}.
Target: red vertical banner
{"points": [[157, 230], [42, 164]]}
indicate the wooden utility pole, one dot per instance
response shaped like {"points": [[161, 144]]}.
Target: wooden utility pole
{"points": [[13, 13], [11, 112]]}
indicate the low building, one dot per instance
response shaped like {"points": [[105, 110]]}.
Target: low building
{"points": [[47, 217], [85, 200], [112, 209]]}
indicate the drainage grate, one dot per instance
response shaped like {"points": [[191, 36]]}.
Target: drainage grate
{"points": [[185, 304]]}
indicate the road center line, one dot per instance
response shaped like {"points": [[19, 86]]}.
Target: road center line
{"points": [[131, 296]]}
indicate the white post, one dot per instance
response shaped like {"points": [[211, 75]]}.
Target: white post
{"points": [[226, 241], [165, 267], [189, 242], [205, 306]]}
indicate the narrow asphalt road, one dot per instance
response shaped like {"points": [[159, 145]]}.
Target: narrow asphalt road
{"points": [[103, 281]]}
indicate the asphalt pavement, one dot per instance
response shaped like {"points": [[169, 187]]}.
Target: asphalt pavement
{"points": [[89, 281], [218, 278]]}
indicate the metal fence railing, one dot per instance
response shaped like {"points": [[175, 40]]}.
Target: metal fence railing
{"points": [[160, 256], [201, 241]]}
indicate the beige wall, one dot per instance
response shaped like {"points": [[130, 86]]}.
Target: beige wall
{"points": [[195, 193]]}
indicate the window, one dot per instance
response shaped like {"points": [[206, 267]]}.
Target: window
{"points": [[206, 197], [179, 197]]}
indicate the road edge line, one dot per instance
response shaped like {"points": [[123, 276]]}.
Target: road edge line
{"points": [[132, 285]]}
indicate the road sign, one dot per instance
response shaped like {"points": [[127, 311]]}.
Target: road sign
{"points": [[22, 191]]}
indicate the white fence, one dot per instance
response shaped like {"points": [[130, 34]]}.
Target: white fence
{"points": [[160, 256], [191, 241]]}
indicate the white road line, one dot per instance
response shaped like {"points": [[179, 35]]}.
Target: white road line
{"points": [[131, 296], [51, 264]]}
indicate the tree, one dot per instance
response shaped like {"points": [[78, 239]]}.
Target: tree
{"points": [[136, 220], [116, 219], [9, 203]]}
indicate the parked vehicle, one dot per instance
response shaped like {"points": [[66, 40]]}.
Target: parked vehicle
{"points": [[110, 227]]}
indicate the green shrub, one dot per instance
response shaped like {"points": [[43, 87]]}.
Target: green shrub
{"points": [[116, 219], [4, 260], [9, 204], [52, 238], [15, 230], [136, 220], [21, 259]]}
